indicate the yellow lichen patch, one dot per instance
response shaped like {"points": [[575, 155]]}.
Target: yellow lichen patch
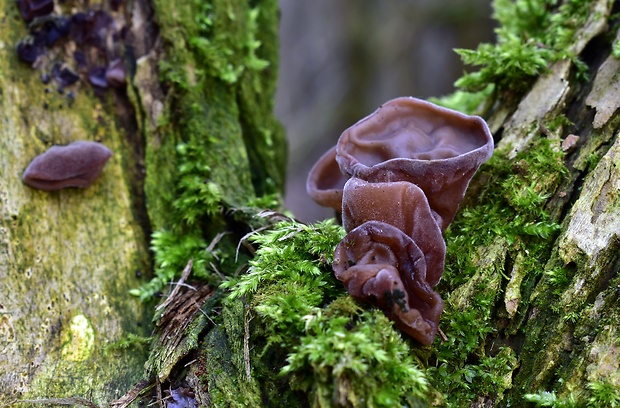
{"points": [[78, 340], [7, 332]]}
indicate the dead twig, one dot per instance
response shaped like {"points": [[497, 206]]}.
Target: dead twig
{"points": [[131, 395], [246, 343], [184, 276]]}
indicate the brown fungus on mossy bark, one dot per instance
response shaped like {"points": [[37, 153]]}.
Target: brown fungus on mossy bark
{"points": [[380, 264], [402, 205], [75, 165], [408, 165]]}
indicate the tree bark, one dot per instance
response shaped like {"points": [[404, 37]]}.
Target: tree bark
{"points": [[566, 335], [554, 313]]}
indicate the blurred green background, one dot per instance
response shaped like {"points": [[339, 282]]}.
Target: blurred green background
{"points": [[341, 59]]}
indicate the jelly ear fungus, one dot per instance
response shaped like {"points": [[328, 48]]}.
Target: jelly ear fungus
{"points": [[398, 177], [77, 164]]}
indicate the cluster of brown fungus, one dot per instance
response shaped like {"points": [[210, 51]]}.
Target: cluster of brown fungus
{"points": [[397, 177], [94, 37]]}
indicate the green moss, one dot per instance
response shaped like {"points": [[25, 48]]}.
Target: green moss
{"points": [[508, 218], [550, 399], [598, 394], [357, 360], [130, 341], [615, 49], [511, 205], [336, 351], [217, 125], [603, 394], [531, 35], [471, 103], [509, 64]]}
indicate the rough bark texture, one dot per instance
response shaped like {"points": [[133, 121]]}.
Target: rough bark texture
{"points": [[563, 334]]}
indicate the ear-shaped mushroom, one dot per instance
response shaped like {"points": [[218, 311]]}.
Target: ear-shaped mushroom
{"points": [[325, 181], [409, 139], [402, 205], [75, 165], [379, 264], [408, 165]]}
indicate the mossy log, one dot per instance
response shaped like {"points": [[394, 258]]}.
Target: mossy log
{"points": [[556, 314], [531, 281]]}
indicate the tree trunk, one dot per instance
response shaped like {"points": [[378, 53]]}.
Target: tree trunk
{"points": [[201, 80], [531, 280], [555, 308]]}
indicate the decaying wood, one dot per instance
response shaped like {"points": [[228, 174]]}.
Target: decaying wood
{"points": [[553, 343]]}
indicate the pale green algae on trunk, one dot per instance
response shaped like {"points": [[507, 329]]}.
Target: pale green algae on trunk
{"points": [[78, 339]]}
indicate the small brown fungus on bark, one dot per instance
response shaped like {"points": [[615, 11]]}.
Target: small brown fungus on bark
{"points": [[408, 165], [75, 165]]}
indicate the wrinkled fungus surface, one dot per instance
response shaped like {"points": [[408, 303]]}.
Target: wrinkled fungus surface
{"points": [[398, 177], [75, 165]]}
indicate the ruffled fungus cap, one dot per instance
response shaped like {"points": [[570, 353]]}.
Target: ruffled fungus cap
{"points": [[325, 181], [408, 139], [397, 177]]}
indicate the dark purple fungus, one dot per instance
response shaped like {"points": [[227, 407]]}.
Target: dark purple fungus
{"points": [[408, 165], [55, 30], [49, 29], [64, 75], [75, 165], [96, 77], [35, 8], [91, 28], [81, 28], [80, 60], [115, 74], [379, 264], [28, 51]]}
